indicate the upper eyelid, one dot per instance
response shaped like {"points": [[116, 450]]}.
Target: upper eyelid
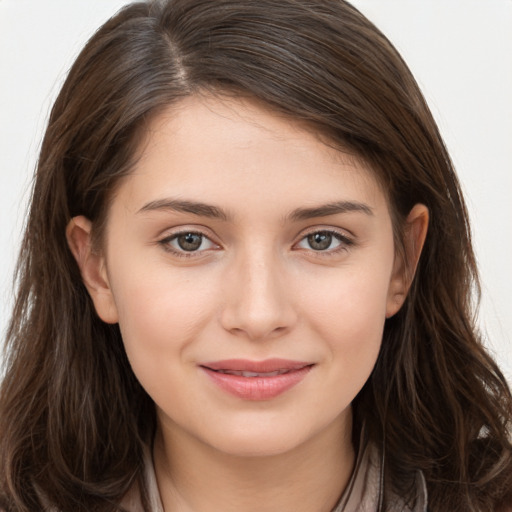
{"points": [[344, 233], [179, 230]]}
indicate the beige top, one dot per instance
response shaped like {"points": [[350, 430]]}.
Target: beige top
{"points": [[361, 494]]}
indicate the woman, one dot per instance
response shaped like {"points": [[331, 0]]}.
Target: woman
{"points": [[246, 280]]}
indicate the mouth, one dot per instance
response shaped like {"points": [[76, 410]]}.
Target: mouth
{"points": [[267, 366], [256, 380], [242, 373]]}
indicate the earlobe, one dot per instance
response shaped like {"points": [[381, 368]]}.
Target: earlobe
{"points": [[415, 233], [92, 268]]}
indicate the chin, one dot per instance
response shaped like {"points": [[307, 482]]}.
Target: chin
{"points": [[258, 445], [257, 437]]}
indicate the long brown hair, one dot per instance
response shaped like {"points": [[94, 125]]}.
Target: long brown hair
{"points": [[73, 418]]}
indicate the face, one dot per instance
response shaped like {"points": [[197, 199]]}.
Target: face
{"points": [[251, 269]]}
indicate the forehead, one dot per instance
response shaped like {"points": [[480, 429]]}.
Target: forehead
{"points": [[230, 149]]}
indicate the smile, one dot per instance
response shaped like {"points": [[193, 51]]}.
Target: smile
{"points": [[256, 380]]}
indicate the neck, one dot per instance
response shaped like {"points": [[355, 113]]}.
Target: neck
{"points": [[194, 477]]}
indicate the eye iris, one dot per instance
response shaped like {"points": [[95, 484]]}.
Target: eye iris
{"points": [[320, 241], [190, 241]]}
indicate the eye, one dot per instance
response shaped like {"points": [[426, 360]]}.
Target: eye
{"points": [[187, 242], [325, 241]]}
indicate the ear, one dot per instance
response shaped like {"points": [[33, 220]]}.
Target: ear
{"points": [[415, 232], [92, 268]]}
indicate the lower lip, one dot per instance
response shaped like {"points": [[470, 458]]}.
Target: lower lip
{"points": [[257, 388]]}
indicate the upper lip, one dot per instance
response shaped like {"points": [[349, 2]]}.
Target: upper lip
{"points": [[246, 365]]}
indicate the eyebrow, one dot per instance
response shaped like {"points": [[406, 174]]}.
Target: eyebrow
{"points": [[183, 206], [325, 210], [214, 212]]}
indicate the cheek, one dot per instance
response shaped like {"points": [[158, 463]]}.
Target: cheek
{"points": [[160, 314], [348, 312], [349, 301]]}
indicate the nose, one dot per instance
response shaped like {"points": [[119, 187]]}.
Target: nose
{"points": [[258, 303]]}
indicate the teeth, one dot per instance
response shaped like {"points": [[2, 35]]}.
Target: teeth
{"points": [[253, 374], [250, 374]]}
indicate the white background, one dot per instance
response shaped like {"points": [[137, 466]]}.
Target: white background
{"points": [[459, 50]]}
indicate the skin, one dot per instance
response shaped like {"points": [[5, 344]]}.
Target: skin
{"points": [[255, 289]]}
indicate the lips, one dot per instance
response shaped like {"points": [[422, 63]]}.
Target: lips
{"points": [[256, 380], [266, 366]]}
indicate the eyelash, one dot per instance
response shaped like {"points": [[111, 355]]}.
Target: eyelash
{"points": [[345, 243], [165, 243]]}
